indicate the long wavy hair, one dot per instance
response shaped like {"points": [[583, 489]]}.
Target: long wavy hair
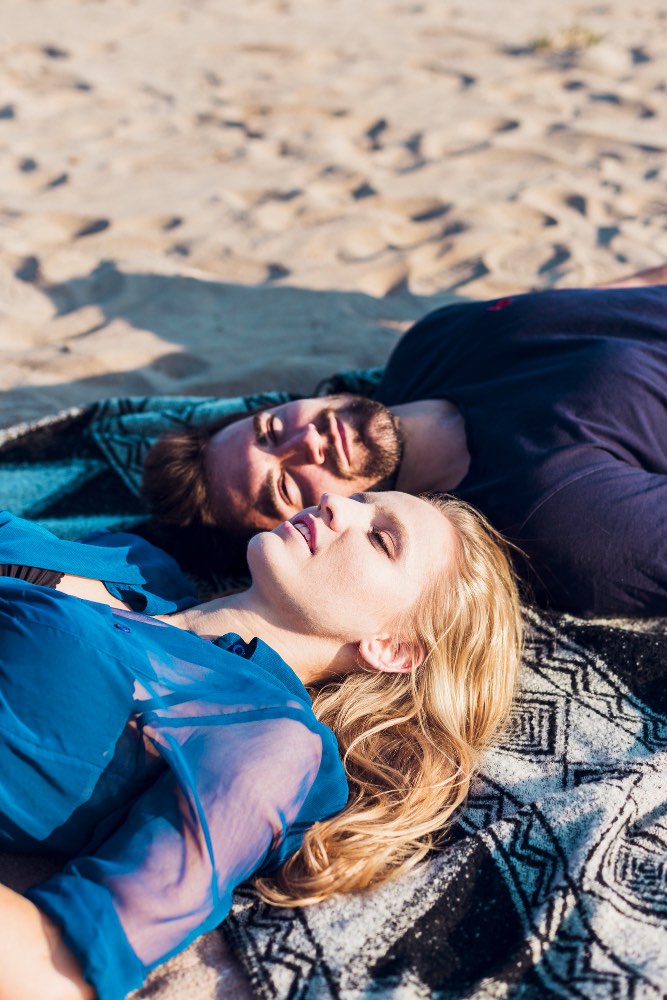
{"points": [[411, 743]]}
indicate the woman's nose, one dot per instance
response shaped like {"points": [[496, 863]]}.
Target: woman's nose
{"points": [[306, 446], [337, 510]]}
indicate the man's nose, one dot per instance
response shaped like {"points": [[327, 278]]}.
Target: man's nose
{"points": [[307, 446]]}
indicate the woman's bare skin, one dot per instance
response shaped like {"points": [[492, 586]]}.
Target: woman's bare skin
{"points": [[90, 590]]}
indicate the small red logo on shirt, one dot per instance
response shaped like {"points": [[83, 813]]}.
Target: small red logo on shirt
{"points": [[500, 304]]}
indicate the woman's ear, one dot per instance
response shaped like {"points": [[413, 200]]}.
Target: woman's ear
{"points": [[390, 656]]}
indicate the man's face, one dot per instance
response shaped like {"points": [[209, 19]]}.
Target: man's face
{"points": [[265, 468]]}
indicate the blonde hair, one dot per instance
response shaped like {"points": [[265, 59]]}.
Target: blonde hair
{"points": [[411, 743]]}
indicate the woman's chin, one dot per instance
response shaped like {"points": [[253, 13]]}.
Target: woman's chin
{"points": [[269, 557], [256, 551]]}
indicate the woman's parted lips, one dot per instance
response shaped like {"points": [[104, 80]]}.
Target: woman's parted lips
{"points": [[306, 525]]}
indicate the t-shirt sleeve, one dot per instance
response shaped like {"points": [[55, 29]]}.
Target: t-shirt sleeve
{"points": [[445, 350], [598, 545], [218, 813]]}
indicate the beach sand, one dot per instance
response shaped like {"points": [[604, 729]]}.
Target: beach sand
{"points": [[205, 197], [200, 196]]}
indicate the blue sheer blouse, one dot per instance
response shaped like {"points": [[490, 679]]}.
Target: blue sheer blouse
{"points": [[165, 768], [136, 572]]}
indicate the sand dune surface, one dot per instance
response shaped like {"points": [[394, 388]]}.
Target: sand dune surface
{"points": [[206, 197]]}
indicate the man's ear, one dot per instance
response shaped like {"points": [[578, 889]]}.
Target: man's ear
{"points": [[389, 655]]}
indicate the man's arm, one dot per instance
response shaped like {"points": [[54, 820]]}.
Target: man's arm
{"points": [[598, 545], [651, 276]]}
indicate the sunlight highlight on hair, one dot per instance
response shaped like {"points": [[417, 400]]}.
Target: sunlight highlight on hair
{"points": [[411, 743]]}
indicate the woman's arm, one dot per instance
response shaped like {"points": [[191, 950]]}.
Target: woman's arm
{"points": [[90, 590], [166, 874], [35, 963], [118, 569]]}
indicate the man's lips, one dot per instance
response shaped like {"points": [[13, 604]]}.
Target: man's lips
{"points": [[338, 436]]}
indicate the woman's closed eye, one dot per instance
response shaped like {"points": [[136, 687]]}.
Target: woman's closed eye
{"points": [[384, 541]]}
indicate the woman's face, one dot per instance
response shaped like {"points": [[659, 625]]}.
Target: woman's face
{"points": [[349, 567]]}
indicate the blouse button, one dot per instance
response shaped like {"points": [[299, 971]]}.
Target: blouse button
{"points": [[238, 649], [121, 627]]}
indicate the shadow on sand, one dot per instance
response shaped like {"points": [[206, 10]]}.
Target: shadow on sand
{"points": [[174, 334]]}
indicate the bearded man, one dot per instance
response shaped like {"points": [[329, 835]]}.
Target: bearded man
{"points": [[547, 411]]}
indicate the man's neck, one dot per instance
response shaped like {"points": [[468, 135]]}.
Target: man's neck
{"points": [[435, 448]]}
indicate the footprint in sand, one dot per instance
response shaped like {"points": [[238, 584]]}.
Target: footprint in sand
{"points": [[56, 181], [61, 227], [92, 227], [512, 216], [54, 52], [28, 269], [438, 142], [417, 209], [276, 216], [179, 365], [569, 209], [449, 261], [406, 235], [362, 243], [363, 190], [521, 259], [373, 135], [388, 278]]}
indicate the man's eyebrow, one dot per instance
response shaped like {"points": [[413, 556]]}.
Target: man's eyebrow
{"points": [[257, 425], [267, 501]]}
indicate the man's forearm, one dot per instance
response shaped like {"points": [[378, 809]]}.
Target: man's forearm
{"points": [[651, 276]]}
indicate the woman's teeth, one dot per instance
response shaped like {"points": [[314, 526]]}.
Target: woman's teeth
{"points": [[301, 527]]}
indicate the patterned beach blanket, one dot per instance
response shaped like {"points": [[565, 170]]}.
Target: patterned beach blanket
{"points": [[554, 883]]}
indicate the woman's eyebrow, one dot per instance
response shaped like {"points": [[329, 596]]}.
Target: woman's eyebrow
{"points": [[396, 526], [397, 529]]}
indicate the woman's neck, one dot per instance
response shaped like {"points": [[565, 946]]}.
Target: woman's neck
{"points": [[312, 658]]}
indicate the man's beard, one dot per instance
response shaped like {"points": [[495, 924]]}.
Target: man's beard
{"points": [[376, 430]]}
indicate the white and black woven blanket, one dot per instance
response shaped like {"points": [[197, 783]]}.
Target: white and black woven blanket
{"points": [[555, 883]]}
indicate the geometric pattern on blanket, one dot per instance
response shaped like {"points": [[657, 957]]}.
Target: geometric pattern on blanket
{"points": [[554, 883]]}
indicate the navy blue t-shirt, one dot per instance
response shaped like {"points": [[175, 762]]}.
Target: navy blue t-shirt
{"points": [[564, 396]]}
